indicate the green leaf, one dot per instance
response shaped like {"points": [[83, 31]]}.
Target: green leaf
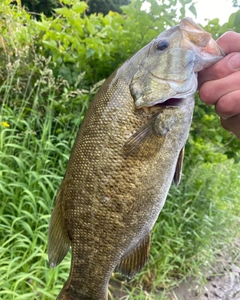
{"points": [[231, 20], [192, 9], [51, 44], [155, 7], [237, 19], [182, 11], [63, 11], [42, 25], [90, 27], [68, 2], [219, 138], [80, 7]]}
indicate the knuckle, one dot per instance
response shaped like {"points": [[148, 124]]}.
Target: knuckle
{"points": [[229, 104], [224, 106], [205, 94], [219, 70]]}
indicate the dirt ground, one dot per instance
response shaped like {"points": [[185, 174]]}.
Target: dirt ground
{"points": [[220, 282]]}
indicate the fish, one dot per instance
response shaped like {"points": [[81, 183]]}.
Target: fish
{"points": [[128, 151]]}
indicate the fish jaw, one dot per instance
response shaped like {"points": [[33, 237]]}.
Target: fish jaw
{"points": [[169, 66]]}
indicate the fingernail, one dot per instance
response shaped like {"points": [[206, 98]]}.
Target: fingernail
{"points": [[234, 62]]}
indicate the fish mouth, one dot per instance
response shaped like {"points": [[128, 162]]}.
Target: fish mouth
{"points": [[171, 102], [167, 104]]}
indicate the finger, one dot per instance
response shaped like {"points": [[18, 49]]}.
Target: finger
{"points": [[232, 125], [228, 105], [223, 68], [229, 42], [213, 90]]}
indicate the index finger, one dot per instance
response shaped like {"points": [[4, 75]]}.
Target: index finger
{"points": [[229, 42], [226, 66]]}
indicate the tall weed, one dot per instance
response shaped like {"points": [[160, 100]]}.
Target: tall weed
{"points": [[35, 141]]}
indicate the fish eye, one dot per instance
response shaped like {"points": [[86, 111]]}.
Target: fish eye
{"points": [[162, 45]]}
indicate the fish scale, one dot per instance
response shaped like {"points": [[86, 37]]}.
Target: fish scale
{"points": [[127, 152]]}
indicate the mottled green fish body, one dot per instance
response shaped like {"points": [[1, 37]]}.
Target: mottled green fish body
{"points": [[127, 152]]}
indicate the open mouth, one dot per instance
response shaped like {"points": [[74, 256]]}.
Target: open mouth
{"points": [[172, 102]]}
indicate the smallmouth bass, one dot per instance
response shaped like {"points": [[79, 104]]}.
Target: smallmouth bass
{"points": [[127, 152]]}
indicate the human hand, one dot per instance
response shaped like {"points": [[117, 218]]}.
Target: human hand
{"points": [[219, 84]]}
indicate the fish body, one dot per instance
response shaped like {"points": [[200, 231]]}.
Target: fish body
{"points": [[127, 152]]}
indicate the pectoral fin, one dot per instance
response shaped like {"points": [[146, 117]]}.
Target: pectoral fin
{"points": [[58, 238], [134, 261], [178, 170], [144, 142]]}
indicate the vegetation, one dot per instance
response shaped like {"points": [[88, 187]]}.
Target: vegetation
{"points": [[104, 6], [46, 7], [37, 7], [49, 71]]}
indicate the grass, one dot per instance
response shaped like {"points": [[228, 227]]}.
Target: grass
{"points": [[32, 163], [38, 127]]}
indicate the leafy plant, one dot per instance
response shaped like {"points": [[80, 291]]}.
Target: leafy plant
{"points": [[104, 6], [98, 44], [37, 7]]}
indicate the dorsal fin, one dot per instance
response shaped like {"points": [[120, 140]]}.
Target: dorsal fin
{"points": [[58, 238], [178, 170], [134, 261]]}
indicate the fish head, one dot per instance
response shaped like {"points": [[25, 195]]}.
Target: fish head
{"points": [[167, 67]]}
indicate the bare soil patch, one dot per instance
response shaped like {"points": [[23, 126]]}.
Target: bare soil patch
{"points": [[220, 282]]}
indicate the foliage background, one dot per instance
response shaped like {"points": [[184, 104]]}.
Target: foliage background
{"points": [[37, 7], [50, 69]]}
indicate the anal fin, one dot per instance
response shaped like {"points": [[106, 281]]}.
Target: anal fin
{"points": [[135, 260], [58, 238]]}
